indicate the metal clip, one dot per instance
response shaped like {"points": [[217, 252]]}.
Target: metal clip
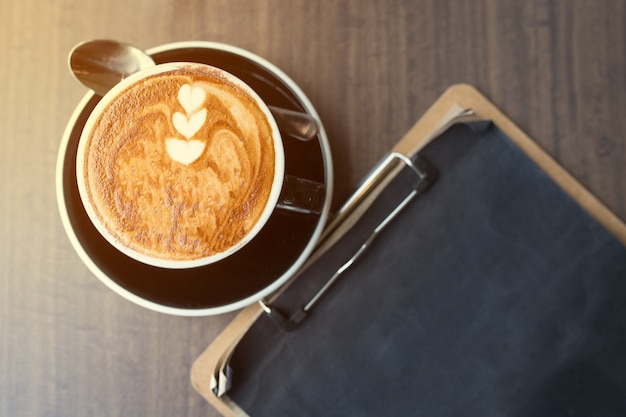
{"points": [[383, 175]]}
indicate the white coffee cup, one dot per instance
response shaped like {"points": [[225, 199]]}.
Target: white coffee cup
{"points": [[185, 155]]}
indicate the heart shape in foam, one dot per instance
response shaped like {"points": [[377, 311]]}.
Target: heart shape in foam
{"points": [[184, 151], [189, 126], [191, 97]]}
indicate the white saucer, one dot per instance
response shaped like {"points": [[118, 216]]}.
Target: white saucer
{"points": [[257, 270]]}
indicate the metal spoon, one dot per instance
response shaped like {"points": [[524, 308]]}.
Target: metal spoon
{"points": [[100, 64]]}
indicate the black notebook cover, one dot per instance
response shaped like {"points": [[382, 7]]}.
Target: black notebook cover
{"points": [[492, 294]]}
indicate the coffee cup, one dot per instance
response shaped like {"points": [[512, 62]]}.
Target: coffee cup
{"points": [[181, 165]]}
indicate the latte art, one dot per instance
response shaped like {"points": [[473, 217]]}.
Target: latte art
{"points": [[180, 165], [191, 98]]}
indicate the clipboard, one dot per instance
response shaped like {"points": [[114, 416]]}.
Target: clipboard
{"points": [[460, 104]]}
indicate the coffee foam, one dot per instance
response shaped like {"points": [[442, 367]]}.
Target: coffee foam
{"points": [[180, 166]]}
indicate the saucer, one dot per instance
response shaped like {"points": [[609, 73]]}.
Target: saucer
{"points": [[250, 274]]}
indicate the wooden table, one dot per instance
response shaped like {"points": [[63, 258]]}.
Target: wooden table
{"points": [[70, 346]]}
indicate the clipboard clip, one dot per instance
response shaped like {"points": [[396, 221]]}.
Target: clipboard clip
{"points": [[406, 178]]}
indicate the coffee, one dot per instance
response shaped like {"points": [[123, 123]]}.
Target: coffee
{"points": [[180, 165]]}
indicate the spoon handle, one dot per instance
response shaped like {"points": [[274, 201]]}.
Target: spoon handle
{"points": [[298, 125]]}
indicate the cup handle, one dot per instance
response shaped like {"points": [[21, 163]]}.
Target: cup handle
{"points": [[296, 124], [301, 195]]}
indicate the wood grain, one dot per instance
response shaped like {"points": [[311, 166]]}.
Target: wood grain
{"points": [[69, 346]]}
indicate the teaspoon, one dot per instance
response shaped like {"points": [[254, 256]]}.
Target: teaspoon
{"points": [[100, 64]]}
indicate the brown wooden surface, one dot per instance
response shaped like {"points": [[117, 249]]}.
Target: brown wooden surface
{"points": [[69, 346]]}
